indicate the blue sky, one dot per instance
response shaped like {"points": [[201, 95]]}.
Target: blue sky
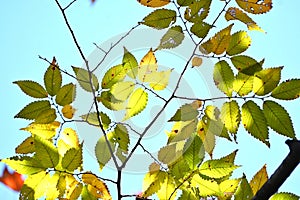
{"points": [[34, 27]]}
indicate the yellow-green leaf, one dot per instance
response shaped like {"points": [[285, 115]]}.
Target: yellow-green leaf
{"points": [[255, 122], [160, 19], [244, 191], [147, 65], [254, 6], [122, 90], [112, 76], [72, 159], [102, 151], [27, 146], [259, 179], [186, 112], [278, 118], [121, 137], [287, 90], [193, 151], [68, 139], [231, 116], [243, 84], [74, 188], [46, 117], [167, 188], [197, 11], [206, 187], [130, 64], [110, 102], [227, 188], [168, 154], [136, 104], [223, 77], [200, 29], [152, 182], [46, 152], [52, 80], [86, 194], [216, 168], [92, 119], [66, 94], [83, 77], [32, 110], [266, 80], [172, 38], [32, 89], [158, 80], [206, 132], [284, 196], [182, 130], [239, 42], [154, 3], [46, 131], [246, 64]]}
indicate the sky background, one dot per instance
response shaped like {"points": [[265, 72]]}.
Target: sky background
{"points": [[33, 27]]}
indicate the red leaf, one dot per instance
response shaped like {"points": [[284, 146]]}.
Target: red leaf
{"points": [[13, 180]]}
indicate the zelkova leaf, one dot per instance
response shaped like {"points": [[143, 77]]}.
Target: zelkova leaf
{"points": [[121, 137], [239, 42], [188, 193], [147, 65], [243, 84], [223, 77], [259, 179], [246, 64], [27, 146], [244, 191], [110, 102], [193, 151], [68, 139], [206, 132], [168, 154], [46, 152], [152, 182], [284, 196], [74, 188], [231, 116], [160, 18], [167, 188], [92, 119], [255, 122], [154, 3], [237, 14], [216, 168], [254, 6], [46, 131], [172, 38], [218, 43], [137, 103], [32, 110], [227, 188], [278, 118], [287, 90], [186, 112], [86, 194], [182, 130], [266, 80], [122, 90], [112, 76], [206, 187], [66, 94], [102, 151], [72, 159], [52, 79], [185, 2], [197, 11], [47, 116], [68, 111], [130, 64], [32, 89], [96, 186], [158, 80], [200, 29], [83, 77]]}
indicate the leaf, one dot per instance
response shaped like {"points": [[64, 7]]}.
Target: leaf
{"points": [[254, 6], [186, 112], [52, 79], [231, 116], [243, 84], [102, 151], [137, 103], [223, 77], [122, 90], [206, 187], [200, 29], [66, 94], [67, 139], [74, 188], [26, 193], [259, 179], [284, 196], [278, 118], [92, 118], [239, 42], [27, 146], [46, 152], [86, 195], [72, 159], [237, 14], [218, 43], [68, 111], [122, 137], [86, 79], [182, 130], [244, 191], [13, 180], [24, 164], [152, 182], [168, 154], [216, 168], [255, 122], [197, 11], [147, 65], [112, 76], [130, 64], [206, 133], [32, 110], [266, 80], [172, 38], [193, 151], [167, 188], [188, 194], [196, 61], [154, 3], [287, 90], [46, 116], [246, 64], [96, 187], [32, 88], [184, 2], [110, 102], [158, 80], [228, 187], [46, 131], [160, 18]]}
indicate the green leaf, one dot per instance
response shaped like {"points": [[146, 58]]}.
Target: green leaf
{"points": [[278, 118], [72, 159], [167, 188], [136, 104], [239, 42], [83, 78], [160, 18], [216, 168], [207, 132], [206, 187], [184, 2], [284, 196], [287, 90], [246, 64], [152, 182], [230, 157], [102, 151], [86, 194], [158, 80], [193, 151], [200, 29], [24, 164], [130, 64], [52, 80], [27, 146], [244, 191], [255, 122], [197, 11], [32, 110], [92, 119], [188, 194], [243, 84], [113, 75], [46, 131], [259, 179], [32, 88], [122, 90], [122, 137], [110, 102], [168, 154], [172, 38], [223, 77], [46, 117], [266, 80], [66, 94], [26, 192], [230, 116], [46, 152], [255, 7], [179, 169], [182, 130], [228, 187], [186, 112]]}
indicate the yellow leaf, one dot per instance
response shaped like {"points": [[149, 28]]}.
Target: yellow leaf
{"points": [[147, 65], [196, 61], [167, 188], [73, 187], [122, 90], [136, 104], [255, 6], [68, 139], [154, 3], [259, 179], [158, 80], [45, 131], [68, 111]]}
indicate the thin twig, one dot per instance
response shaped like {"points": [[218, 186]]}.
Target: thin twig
{"points": [[69, 4]]}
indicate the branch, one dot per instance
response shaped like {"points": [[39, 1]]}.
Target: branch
{"points": [[69, 4]]}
